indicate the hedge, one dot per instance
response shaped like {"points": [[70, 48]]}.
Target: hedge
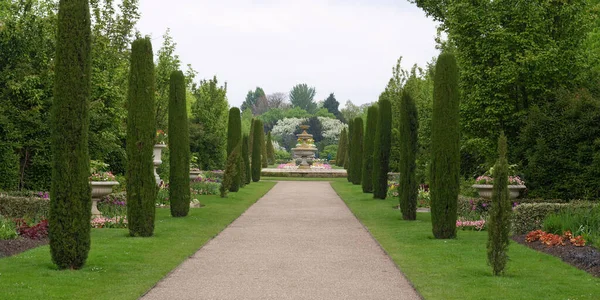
{"points": [[528, 217], [23, 207]]}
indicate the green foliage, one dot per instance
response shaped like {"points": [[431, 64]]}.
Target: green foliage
{"points": [[263, 155], [209, 124], [562, 158], [357, 145], [500, 213], [71, 205], [408, 186], [348, 158], [270, 150], [584, 222], [531, 216], [179, 146], [342, 145], [368, 146], [329, 152], [234, 138], [445, 151], [257, 149], [332, 106], [302, 96], [8, 229], [24, 207], [167, 63], [231, 172], [246, 157], [381, 149], [252, 98], [141, 131]]}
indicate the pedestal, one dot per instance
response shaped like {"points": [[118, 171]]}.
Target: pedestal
{"points": [[157, 160]]}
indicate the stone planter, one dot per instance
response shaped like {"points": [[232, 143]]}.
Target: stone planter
{"points": [[157, 160], [485, 190], [99, 190], [194, 174]]}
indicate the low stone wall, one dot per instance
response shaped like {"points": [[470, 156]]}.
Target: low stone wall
{"points": [[333, 173]]}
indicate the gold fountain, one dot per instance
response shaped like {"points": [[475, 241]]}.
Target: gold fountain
{"points": [[306, 150]]}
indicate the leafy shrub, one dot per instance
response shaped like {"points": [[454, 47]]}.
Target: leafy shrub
{"points": [[8, 229], [113, 205], [579, 221], [24, 207], [530, 216], [33, 231]]}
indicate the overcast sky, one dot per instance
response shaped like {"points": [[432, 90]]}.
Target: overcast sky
{"points": [[343, 47]]}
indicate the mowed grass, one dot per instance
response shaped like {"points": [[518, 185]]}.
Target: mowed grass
{"points": [[122, 267], [457, 269]]}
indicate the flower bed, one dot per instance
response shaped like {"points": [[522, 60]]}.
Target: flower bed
{"points": [[104, 222]]}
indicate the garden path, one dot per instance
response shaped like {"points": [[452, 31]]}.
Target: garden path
{"points": [[299, 241]]}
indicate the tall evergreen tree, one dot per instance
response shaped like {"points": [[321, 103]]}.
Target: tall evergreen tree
{"points": [[263, 142], [70, 204], [141, 130], [381, 150], [270, 150], [408, 186], [357, 152], [368, 145], [234, 138], [179, 147], [251, 139], [246, 158], [445, 148], [257, 150], [341, 152], [332, 106], [348, 158], [500, 213]]}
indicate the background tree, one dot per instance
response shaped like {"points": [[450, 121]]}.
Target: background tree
{"points": [[270, 150], [341, 154], [278, 100], [167, 63], [209, 122], [445, 148], [316, 129], [368, 145], [251, 99], [246, 158], [500, 213], [351, 111], [348, 158], [70, 205], [332, 106], [179, 146], [263, 156], [381, 150], [234, 138], [141, 131], [357, 151], [302, 96], [408, 185], [256, 150]]}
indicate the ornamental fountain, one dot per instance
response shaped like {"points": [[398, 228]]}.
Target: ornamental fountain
{"points": [[306, 149]]}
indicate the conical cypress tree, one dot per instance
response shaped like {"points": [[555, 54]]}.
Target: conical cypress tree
{"points": [[357, 144], [251, 139], [368, 145], [231, 171], [179, 147], [141, 130], [246, 158], [70, 194], [234, 138], [270, 150], [263, 156], [408, 187], [445, 152], [257, 151], [500, 213], [339, 158], [381, 150], [348, 159]]}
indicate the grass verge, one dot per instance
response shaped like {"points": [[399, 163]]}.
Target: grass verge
{"points": [[121, 267], [457, 269]]}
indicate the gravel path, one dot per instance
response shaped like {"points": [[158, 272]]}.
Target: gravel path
{"points": [[299, 241]]}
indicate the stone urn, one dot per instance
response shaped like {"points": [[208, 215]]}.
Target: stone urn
{"points": [[194, 173], [158, 148], [99, 190], [485, 190]]}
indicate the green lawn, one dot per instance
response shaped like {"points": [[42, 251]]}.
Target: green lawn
{"points": [[457, 269], [121, 267]]}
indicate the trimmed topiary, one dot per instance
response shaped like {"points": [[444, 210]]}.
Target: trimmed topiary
{"points": [[257, 150], [357, 145], [499, 222], [141, 130], [179, 147], [408, 188], [246, 158], [368, 145], [348, 158], [263, 155], [70, 194], [339, 156], [445, 151], [234, 138], [251, 139], [231, 171], [270, 150], [381, 149]]}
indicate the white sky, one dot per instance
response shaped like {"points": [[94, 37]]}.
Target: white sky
{"points": [[344, 47]]}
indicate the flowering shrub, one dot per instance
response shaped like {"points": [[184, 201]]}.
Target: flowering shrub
{"points": [[287, 166], [423, 197], [161, 137], [113, 205], [102, 176], [35, 231], [550, 239], [392, 188], [331, 129], [320, 166], [104, 222], [204, 186], [478, 225], [512, 180]]}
